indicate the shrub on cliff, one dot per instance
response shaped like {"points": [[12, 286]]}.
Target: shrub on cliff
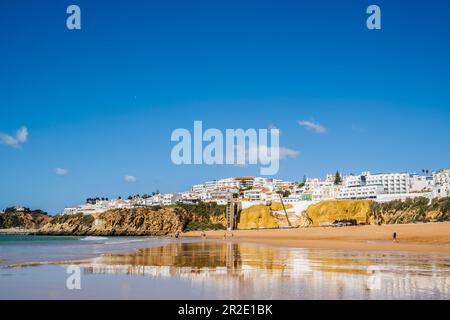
{"points": [[411, 210], [27, 219], [203, 209], [200, 226], [202, 215]]}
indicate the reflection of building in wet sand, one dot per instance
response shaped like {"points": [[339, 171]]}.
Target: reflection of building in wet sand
{"points": [[239, 271]]}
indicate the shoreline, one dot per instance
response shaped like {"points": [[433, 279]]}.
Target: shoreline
{"points": [[419, 238], [17, 231]]}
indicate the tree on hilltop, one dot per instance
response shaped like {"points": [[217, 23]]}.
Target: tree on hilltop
{"points": [[337, 179]]}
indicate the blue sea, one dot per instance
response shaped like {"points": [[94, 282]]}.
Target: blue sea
{"points": [[16, 249]]}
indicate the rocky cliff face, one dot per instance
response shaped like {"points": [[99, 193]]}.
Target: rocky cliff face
{"points": [[124, 222], [23, 219], [393, 212], [256, 217], [329, 211], [411, 210], [133, 222]]}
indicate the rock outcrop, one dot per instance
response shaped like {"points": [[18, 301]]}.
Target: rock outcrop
{"points": [[371, 212], [257, 217], [120, 222], [409, 211], [327, 212], [23, 219], [156, 221]]}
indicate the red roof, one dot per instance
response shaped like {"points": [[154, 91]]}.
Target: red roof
{"points": [[245, 178]]}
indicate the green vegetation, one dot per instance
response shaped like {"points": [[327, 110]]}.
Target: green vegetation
{"points": [[9, 221], [85, 220], [25, 210], [411, 210], [337, 179], [394, 212], [22, 218], [201, 216], [284, 193], [200, 226], [203, 209]]}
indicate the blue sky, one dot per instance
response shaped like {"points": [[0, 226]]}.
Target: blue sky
{"points": [[102, 102]]}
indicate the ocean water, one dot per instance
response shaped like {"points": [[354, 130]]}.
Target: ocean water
{"points": [[161, 268], [16, 249]]}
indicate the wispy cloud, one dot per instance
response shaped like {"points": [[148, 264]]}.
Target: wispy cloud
{"points": [[244, 152], [318, 128], [15, 141], [288, 153], [61, 172], [130, 178]]}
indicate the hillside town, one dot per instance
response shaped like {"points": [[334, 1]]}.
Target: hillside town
{"points": [[248, 190]]}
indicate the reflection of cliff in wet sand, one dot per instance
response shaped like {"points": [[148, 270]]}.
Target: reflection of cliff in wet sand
{"points": [[244, 271], [202, 255]]}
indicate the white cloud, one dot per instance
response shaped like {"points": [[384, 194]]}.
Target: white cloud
{"points": [[244, 152], [288, 153], [22, 135], [130, 178], [15, 141], [313, 126], [61, 172]]}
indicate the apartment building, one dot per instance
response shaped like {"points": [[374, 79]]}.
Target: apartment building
{"points": [[321, 189], [258, 194], [391, 183], [441, 183], [360, 192]]}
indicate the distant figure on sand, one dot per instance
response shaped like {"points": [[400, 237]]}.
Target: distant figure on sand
{"points": [[394, 237], [224, 235], [203, 234], [177, 234]]}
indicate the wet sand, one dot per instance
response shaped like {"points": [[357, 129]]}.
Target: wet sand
{"points": [[431, 237]]}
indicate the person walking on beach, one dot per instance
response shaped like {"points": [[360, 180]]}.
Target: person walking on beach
{"points": [[394, 237]]}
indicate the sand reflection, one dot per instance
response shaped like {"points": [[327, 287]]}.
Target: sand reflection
{"points": [[248, 271]]}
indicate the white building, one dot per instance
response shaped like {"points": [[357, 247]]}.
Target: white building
{"points": [[392, 183], [386, 186], [88, 208], [321, 189], [258, 194], [421, 183], [441, 180], [360, 192]]}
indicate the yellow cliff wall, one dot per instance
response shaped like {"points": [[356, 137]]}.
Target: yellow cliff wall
{"points": [[330, 211], [257, 217]]}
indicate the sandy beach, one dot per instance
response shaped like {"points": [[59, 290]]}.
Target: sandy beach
{"points": [[17, 231], [431, 237]]}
